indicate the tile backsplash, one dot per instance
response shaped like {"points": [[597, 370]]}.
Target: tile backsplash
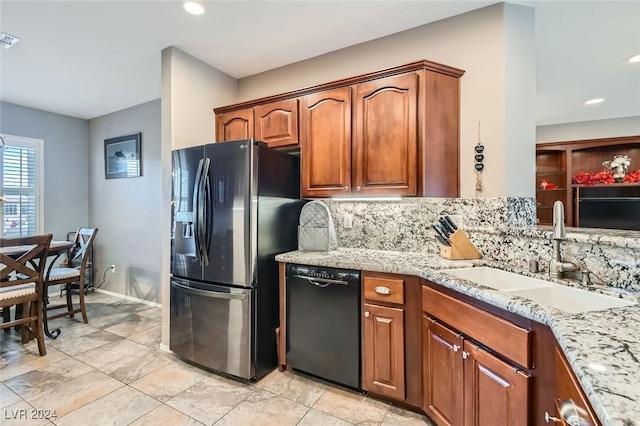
{"points": [[502, 228]]}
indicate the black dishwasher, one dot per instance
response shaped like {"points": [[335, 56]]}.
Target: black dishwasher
{"points": [[323, 323]]}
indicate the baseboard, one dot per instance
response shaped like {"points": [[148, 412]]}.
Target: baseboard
{"points": [[165, 348], [133, 299]]}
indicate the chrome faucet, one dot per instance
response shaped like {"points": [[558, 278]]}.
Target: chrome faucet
{"points": [[558, 267]]}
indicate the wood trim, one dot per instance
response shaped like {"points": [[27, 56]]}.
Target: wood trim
{"points": [[413, 340], [282, 343], [413, 66], [543, 392], [502, 336], [586, 143]]}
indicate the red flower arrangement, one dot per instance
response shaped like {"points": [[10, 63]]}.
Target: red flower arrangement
{"points": [[584, 178]]}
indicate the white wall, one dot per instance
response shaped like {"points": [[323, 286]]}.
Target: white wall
{"points": [[128, 211], [609, 128], [478, 42], [66, 187], [190, 91]]}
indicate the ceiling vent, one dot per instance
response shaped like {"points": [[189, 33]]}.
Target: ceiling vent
{"points": [[7, 40]]}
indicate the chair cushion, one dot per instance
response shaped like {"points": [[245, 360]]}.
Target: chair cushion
{"points": [[63, 274], [17, 291]]}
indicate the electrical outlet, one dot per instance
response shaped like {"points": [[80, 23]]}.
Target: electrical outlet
{"points": [[348, 220], [113, 269]]}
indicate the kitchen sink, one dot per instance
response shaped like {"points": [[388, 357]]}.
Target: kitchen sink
{"points": [[497, 278], [571, 300], [567, 299]]}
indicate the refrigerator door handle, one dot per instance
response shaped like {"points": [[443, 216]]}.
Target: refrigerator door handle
{"points": [[206, 209], [205, 293], [196, 211]]}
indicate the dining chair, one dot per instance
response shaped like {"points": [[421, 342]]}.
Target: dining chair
{"points": [[73, 273], [21, 283]]}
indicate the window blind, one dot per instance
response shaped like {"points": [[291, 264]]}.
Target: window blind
{"points": [[20, 191]]}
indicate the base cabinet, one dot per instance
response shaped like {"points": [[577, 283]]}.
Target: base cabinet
{"points": [[495, 392], [383, 349], [442, 373], [571, 405]]}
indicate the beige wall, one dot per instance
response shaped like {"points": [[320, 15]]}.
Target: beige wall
{"points": [[190, 91], [609, 128], [474, 42], [196, 88]]}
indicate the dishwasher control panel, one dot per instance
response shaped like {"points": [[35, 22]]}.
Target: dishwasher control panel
{"points": [[323, 272]]}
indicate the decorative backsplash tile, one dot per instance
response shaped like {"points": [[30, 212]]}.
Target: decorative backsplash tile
{"points": [[502, 228]]}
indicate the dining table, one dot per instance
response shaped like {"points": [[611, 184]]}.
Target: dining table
{"points": [[56, 249]]}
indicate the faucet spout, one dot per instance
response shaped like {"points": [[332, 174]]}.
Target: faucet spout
{"points": [[558, 266], [559, 231]]}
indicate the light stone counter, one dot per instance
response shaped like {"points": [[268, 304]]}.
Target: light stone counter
{"points": [[608, 340]]}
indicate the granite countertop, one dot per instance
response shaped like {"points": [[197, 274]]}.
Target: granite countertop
{"points": [[603, 347]]}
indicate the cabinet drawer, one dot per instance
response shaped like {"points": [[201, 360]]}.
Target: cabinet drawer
{"points": [[494, 332], [384, 289]]}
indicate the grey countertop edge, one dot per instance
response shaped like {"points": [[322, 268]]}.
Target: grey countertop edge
{"points": [[614, 393], [610, 237]]}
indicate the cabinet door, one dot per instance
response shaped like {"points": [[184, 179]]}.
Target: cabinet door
{"points": [[495, 392], [234, 125], [383, 351], [442, 373], [568, 388], [385, 145], [325, 143], [277, 123]]}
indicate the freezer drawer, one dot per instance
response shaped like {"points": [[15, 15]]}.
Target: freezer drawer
{"points": [[212, 326]]}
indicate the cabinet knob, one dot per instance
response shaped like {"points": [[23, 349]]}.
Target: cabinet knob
{"points": [[366, 314], [456, 348], [358, 188], [346, 188], [465, 354], [548, 418]]}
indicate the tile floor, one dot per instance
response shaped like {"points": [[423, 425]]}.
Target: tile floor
{"points": [[111, 372]]}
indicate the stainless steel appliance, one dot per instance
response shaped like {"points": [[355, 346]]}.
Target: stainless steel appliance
{"points": [[615, 206], [235, 206], [323, 323]]}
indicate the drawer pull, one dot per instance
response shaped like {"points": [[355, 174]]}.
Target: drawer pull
{"points": [[383, 290], [548, 418]]}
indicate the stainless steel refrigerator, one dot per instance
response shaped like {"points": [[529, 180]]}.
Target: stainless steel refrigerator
{"points": [[235, 206]]}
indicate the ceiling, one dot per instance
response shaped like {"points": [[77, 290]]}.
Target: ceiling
{"points": [[87, 58]]}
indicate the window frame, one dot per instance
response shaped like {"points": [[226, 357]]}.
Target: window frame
{"points": [[38, 146]]}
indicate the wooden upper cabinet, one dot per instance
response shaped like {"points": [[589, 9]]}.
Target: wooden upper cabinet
{"points": [[276, 123], [234, 125], [442, 373], [495, 392], [383, 351], [386, 136], [325, 143]]}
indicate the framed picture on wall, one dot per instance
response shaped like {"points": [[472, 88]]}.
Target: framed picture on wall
{"points": [[122, 157]]}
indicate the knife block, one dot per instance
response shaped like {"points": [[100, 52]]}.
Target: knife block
{"points": [[461, 247]]}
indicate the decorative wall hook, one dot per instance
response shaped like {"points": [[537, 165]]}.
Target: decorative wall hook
{"points": [[479, 166]]}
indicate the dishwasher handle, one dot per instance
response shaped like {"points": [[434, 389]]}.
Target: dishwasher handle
{"points": [[325, 281]]}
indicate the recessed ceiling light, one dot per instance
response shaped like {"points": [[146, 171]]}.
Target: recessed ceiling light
{"points": [[634, 59], [194, 7], [594, 101]]}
